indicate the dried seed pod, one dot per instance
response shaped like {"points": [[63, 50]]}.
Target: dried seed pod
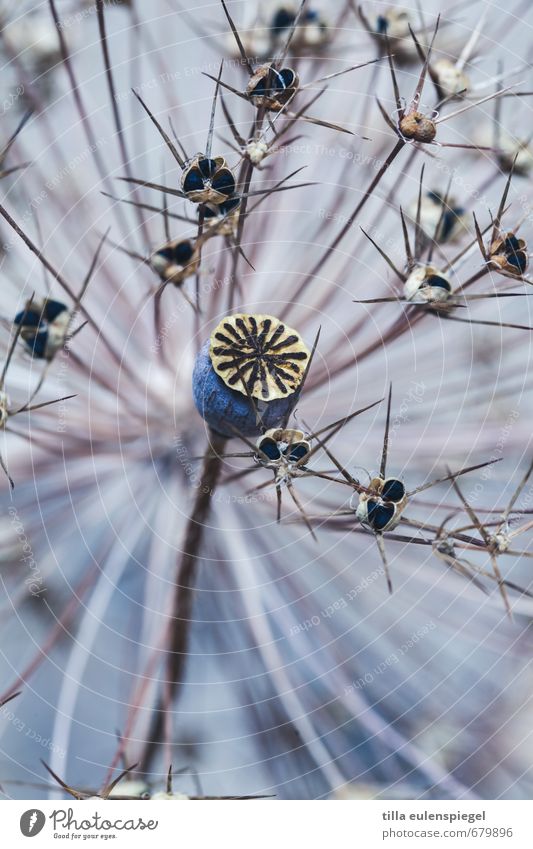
{"points": [[508, 253], [390, 29], [514, 156], [207, 180], [258, 355], [441, 218], [247, 376], [381, 507], [500, 541], [34, 35], [271, 88], [222, 220], [256, 151], [417, 127], [393, 23], [451, 80], [176, 260], [281, 448], [428, 284], [311, 31], [44, 325]]}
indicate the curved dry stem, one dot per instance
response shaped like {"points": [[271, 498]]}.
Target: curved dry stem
{"points": [[184, 594]]}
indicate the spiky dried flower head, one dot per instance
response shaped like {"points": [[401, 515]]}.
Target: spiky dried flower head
{"points": [[259, 356], [261, 614], [417, 127]]}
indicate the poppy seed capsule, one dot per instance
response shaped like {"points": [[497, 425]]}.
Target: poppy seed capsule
{"points": [[418, 127], [247, 376]]}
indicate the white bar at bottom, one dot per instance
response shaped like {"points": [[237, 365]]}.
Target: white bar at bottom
{"points": [[268, 824]]}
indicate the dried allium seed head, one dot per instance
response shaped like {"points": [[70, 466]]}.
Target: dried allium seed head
{"points": [[258, 355], [418, 127]]}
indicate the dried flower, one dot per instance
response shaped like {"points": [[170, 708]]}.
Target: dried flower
{"points": [[147, 558], [248, 358]]}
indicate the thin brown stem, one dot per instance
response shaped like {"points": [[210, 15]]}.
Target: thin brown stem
{"points": [[184, 593]]}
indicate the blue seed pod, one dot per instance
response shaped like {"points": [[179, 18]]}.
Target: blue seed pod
{"points": [[272, 88], [44, 325], [206, 180], [252, 364]]}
